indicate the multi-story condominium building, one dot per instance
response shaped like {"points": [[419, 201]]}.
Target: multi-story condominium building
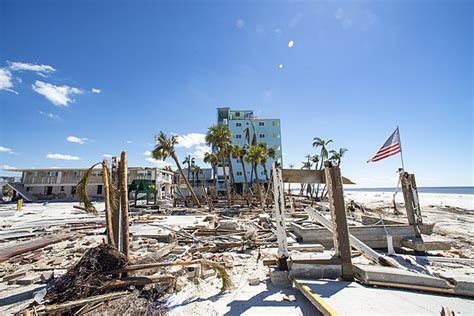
{"points": [[246, 129], [55, 183]]}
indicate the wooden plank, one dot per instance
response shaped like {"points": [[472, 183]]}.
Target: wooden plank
{"points": [[356, 243], [162, 252], [30, 245], [72, 304], [137, 281], [315, 299], [340, 232]]}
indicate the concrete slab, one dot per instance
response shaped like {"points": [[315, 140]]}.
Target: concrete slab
{"points": [[426, 243], [387, 276], [350, 298]]}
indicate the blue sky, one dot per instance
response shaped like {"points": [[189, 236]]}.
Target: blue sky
{"points": [[112, 74]]}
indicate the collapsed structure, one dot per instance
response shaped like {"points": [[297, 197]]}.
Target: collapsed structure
{"points": [[329, 252], [60, 184]]}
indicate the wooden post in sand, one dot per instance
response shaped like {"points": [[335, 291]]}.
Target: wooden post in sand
{"points": [[124, 204], [108, 208], [412, 204], [342, 245], [115, 210]]}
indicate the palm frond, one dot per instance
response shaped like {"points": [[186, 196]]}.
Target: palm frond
{"points": [[81, 190], [226, 280]]}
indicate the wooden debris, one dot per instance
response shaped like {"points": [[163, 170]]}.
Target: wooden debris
{"points": [[34, 244]]}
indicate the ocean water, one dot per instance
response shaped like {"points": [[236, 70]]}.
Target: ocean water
{"points": [[439, 190]]}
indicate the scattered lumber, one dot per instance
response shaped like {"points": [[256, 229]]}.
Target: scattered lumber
{"points": [[356, 243], [56, 308], [137, 281], [34, 244]]}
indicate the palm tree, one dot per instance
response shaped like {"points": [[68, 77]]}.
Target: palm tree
{"points": [[228, 152], [306, 165], [337, 155], [165, 147], [193, 173], [240, 152], [319, 142], [219, 136], [213, 160], [188, 161], [255, 155], [197, 170]]}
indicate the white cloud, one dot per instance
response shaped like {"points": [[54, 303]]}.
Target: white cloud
{"points": [[78, 140], [107, 156], [191, 139], [147, 153], [239, 23], [201, 150], [7, 150], [7, 167], [291, 44], [341, 15], [94, 90], [158, 163], [41, 70], [62, 157], [129, 141], [58, 95], [50, 115], [280, 66], [6, 80]]}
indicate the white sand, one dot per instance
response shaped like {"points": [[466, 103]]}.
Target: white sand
{"points": [[465, 201]]}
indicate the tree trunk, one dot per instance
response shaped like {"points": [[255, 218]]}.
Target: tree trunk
{"points": [[259, 189], [231, 171], [214, 167], [193, 195], [227, 187], [245, 174], [124, 204], [108, 207], [266, 173]]}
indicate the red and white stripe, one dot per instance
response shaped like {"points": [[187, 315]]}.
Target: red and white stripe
{"points": [[385, 152]]}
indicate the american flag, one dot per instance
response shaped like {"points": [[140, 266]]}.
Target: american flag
{"points": [[390, 148]]}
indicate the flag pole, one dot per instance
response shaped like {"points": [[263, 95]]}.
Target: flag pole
{"points": [[401, 150]]}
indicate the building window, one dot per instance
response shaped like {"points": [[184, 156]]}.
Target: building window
{"points": [[28, 189], [262, 173], [261, 123], [276, 135], [73, 190], [238, 136], [56, 173], [62, 188], [275, 123], [238, 124], [237, 114], [99, 189], [239, 173], [48, 190], [261, 135]]}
